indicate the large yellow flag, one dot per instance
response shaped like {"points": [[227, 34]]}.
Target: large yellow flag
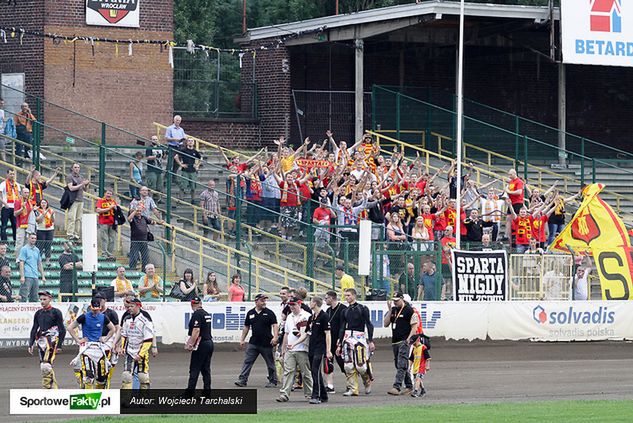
{"points": [[596, 229]]}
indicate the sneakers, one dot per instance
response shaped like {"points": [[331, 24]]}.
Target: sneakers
{"points": [[350, 393], [270, 385], [393, 391], [368, 389], [282, 398], [330, 390], [314, 401], [406, 391], [415, 394], [240, 384]]}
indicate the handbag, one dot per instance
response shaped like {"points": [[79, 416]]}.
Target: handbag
{"points": [[119, 217], [68, 198], [176, 292], [328, 365], [150, 236]]}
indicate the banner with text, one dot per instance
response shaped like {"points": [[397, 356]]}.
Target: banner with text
{"points": [[480, 275], [122, 13], [597, 32]]}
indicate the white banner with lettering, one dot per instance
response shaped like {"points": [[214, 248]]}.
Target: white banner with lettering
{"points": [[536, 320], [597, 32]]}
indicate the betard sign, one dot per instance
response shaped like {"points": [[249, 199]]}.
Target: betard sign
{"points": [[597, 32]]}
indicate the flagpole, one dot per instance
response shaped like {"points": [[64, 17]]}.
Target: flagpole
{"points": [[460, 118]]}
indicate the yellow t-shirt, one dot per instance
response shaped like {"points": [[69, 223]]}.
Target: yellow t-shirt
{"points": [[287, 164], [346, 282]]}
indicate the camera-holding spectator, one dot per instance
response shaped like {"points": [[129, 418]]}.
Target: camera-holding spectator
{"points": [[22, 213], [236, 290], [45, 219], [189, 160], [140, 236], [210, 205], [122, 285], [24, 129], [136, 174], [154, 173], [210, 289], [175, 134], [150, 286], [106, 229], [77, 184], [145, 204], [31, 270], [188, 286], [6, 290], [36, 184], [69, 263], [10, 191]]}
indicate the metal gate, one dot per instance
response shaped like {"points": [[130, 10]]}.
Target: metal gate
{"points": [[541, 276]]}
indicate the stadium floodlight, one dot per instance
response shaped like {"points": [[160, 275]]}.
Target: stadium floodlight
{"points": [[460, 118]]}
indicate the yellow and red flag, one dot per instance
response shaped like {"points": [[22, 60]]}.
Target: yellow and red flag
{"points": [[596, 229]]}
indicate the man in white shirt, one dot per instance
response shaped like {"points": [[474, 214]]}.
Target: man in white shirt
{"points": [[294, 350], [175, 134], [492, 211], [9, 192]]}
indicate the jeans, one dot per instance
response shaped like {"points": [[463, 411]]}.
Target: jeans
{"points": [[7, 216], [251, 354], [554, 229], [29, 289], [522, 248], [138, 248], [401, 361]]}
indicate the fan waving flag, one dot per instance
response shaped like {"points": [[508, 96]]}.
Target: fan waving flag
{"points": [[598, 230]]}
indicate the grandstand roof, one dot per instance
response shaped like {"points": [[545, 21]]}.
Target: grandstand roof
{"points": [[350, 25]]}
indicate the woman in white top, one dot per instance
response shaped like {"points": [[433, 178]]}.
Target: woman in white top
{"points": [[420, 235], [45, 220]]}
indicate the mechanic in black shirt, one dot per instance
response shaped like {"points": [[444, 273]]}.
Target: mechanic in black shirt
{"points": [[319, 346], [263, 322], [404, 324], [354, 347], [334, 311], [48, 332], [200, 343]]}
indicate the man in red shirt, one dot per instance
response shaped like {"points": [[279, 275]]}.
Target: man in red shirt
{"points": [[22, 210], [289, 203], [522, 229], [106, 230], [514, 190]]}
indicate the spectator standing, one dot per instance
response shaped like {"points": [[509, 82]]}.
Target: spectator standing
{"points": [[492, 210], [188, 285], [122, 286], [36, 184], [69, 263], [408, 282], [404, 324], [211, 289], [581, 284], [175, 134], [448, 242], [150, 286], [3, 256], [45, 218], [139, 237], [10, 191], [334, 312], [346, 281], [22, 212], [521, 228], [265, 332], [106, 229], [200, 343], [210, 205], [189, 160], [515, 193], [77, 184], [136, 174], [294, 350], [145, 204], [236, 291], [270, 198], [154, 172], [428, 291], [7, 131], [475, 226], [30, 270], [6, 290], [319, 347], [24, 129]]}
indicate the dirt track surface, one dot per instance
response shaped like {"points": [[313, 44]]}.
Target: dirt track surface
{"points": [[461, 372]]}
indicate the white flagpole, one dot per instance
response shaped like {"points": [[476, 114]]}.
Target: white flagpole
{"points": [[460, 118]]}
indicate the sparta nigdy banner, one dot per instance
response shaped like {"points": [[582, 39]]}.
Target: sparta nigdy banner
{"points": [[598, 230], [480, 275], [597, 32], [122, 13]]}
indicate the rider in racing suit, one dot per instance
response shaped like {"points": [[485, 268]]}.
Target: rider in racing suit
{"points": [[137, 333]]}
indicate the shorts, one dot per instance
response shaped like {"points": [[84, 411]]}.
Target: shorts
{"points": [[517, 207], [289, 217], [418, 376]]}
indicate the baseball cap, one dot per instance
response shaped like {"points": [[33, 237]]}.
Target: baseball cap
{"points": [[135, 301], [99, 296], [293, 301], [95, 303], [397, 295], [261, 297], [45, 293], [196, 300]]}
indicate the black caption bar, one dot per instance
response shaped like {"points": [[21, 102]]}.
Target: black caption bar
{"points": [[173, 401]]}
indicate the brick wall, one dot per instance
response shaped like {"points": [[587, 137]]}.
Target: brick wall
{"points": [[25, 57], [233, 135]]}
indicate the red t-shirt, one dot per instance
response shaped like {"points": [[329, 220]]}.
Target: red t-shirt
{"points": [[446, 255], [290, 197], [321, 214], [440, 223], [522, 228], [236, 293], [429, 222], [421, 185], [516, 184], [22, 220], [450, 214], [106, 218], [304, 189], [538, 228]]}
